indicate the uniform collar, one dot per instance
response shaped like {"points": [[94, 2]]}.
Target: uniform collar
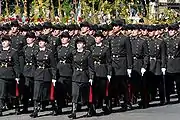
{"points": [[99, 44], [42, 49]]}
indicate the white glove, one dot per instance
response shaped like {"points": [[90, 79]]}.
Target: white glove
{"points": [[163, 70], [54, 81], [143, 70], [90, 81], [17, 80], [129, 72], [109, 78]]}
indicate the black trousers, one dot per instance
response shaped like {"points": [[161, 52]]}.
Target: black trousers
{"points": [[7, 89], [99, 89], [28, 90], [80, 93], [41, 90], [118, 86], [170, 78], [63, 90]]}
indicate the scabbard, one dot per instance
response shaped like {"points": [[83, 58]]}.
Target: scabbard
{"points": [[17, 90], [90, 94], [52, 92]]}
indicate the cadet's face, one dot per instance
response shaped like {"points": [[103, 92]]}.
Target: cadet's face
{"points": [[55, 32], [84, 29], [14, 29], [5, 43], [64, 40], [91, 32], [76, 32], [30, 40], [37, 33], [135, 32], [98, 39], [151, 33], [171, 32], [80, 45], [42, 44], [24, 33], [144, 32], [116, 29], [71, 32], [156, 32], [105, 33]]}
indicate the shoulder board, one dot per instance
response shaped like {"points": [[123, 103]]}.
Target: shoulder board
{"points": [[13, 49]]}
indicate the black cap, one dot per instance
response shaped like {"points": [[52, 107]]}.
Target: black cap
{"points": [[94, 27], [57, 27], [117, 23], [43, 38], [47, 25], [14, 23], [6, 27], [173, 27], [77, 27], [30, 35], [65, 34], [5, 37], [80, 39], [98, 34], [85, 24], [38, 27], [71, 27], [24, 28]]}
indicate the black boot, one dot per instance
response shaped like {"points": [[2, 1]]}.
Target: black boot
{"points": [[91, 110], [36, 110], [17, 109], [107, 108], [1, 114], [73, 114]]}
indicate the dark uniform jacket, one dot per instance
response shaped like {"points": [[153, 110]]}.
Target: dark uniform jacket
{"points": [[9, 64], [45, 65], [64, 60], [140, 53], [102, 60], [29, 60], [83, 66], [54, 42], [121, 54], [173, 54], [89, 41], [157, 52]]}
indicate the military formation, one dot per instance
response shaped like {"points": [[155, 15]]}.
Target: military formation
{"points": [[98, 66]]}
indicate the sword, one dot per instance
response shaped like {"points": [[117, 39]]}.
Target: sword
{"points": [[164, 86]]}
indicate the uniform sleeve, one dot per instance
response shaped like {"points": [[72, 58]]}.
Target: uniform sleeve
{"points": [[145, 54], [129, 52], [91, 67], [53, 65], [16, 65], [108, 61], [163, 55]]}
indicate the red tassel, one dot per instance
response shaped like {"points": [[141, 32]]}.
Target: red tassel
{"points": [[52, 92], [107, 88], [90, 95], [17, 90]]}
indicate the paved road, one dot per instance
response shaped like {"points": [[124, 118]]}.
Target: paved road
{"points": [[167, 112]]}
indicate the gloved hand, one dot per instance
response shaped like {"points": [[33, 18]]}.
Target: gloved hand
{"points": [[17, 80], [143, 70], [90, 81], [163, 70], [129, 72], [109, 78], [54, 82]]}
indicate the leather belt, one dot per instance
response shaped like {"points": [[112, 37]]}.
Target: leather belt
{"points": [[117, 56], [29, 64], [153, 58], [98, 62], [171, 57], [42, 67]]}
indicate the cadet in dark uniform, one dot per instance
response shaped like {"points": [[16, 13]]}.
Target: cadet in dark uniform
{"points": [[85, 26], [157, 56], [83, 75], [121, 55], [29, 51], [103, 71], [44, 74], [173, 61], [9, 73], [63, 87], [140, 64]]}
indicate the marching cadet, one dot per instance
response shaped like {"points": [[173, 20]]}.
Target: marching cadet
{"points": [[93, 29], [63, 87], [173, 61], [44, 74], [157, 64], [6, 28], [140, 64], [83, 76], [85, 26], [38, 30], [9, 73], [75, 35], [29, 52], [121, 55], [102, 64]]}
